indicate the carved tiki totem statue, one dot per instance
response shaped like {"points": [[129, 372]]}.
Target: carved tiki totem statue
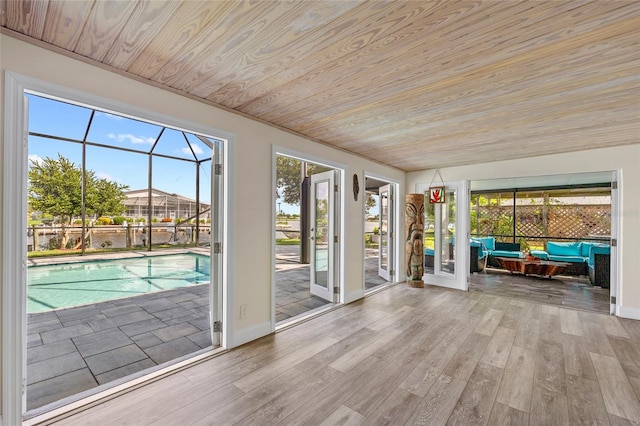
{"points": [[414, 228]]}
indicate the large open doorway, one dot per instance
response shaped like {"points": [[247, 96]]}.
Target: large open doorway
{"points": [[522, 227], [306, 252], [112, 285]]}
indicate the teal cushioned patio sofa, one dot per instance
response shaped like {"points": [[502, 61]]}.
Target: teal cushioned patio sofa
{"points": [[493, 249], [578, 254]]}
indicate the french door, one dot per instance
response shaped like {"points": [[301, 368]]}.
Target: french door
{"points": [[446, 237], [323, 235], [386, 226]]}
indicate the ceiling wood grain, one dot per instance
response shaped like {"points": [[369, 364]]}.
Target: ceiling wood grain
{"points": [[413, 84]]}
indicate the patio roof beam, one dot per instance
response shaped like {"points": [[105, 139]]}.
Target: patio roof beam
{"points": [[190, 147], [601, 185], [155, 143], [101, 145]]}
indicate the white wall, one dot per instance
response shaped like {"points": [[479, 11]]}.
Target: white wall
{"points": [[251, 170], [626, 159]]}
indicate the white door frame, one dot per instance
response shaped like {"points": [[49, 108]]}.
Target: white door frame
{"points": [[615, 258], [325, 292], [14, 257], [340, 200], [14, 261], [386, 238], [398, 208], [460, 279]]}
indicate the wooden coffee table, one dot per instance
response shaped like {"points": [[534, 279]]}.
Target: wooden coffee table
{"points": [[543, 268]]}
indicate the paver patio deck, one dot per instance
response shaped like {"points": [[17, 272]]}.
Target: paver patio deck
{"points": [[293, 297], [76, 349]]}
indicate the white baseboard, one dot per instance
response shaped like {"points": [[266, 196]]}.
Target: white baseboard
{"points": [[246, 335], [631, 313], [353, 296], [443, 283]]}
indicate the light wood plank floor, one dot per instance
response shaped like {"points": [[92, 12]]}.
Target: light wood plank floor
{"points": [[571, 292], [408, 356]]}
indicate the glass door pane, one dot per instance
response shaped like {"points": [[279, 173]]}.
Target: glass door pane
{"points": [[429, 237], [446, 246], [447, 232], [383, 256], [322, 235], [320, 243]]}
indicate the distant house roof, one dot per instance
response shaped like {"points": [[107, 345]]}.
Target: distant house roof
{"points": [[155, 193], [136, 195]]}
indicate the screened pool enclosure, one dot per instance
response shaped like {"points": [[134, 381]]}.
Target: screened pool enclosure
{"points": [[121, 182]]}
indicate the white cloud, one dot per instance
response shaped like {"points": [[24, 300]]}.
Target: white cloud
{"points": [[111, 116], [33, 158], [136, 140], [196, 148], [103, 175]]}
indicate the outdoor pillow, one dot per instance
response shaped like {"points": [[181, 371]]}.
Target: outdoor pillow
{"points": [[585, 248], [598, 249], [540, 254], [483, 252], [428, 252], [563, 249], [475, 243], [489, 243]]}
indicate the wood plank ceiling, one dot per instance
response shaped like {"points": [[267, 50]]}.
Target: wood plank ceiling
{"points": [[413, 84]]}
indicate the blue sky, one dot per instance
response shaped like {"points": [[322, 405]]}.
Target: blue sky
{"points": [[70, 121], [288, 208]]}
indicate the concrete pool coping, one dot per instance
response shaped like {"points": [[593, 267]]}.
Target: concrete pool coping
{"points": [[60, 260]]}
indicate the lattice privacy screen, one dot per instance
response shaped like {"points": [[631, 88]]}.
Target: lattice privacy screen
{"points": [[551, 221]]}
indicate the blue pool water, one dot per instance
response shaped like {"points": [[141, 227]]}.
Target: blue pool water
{"points": [[65, 285]]}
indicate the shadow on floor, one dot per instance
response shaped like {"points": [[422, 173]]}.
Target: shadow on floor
{"points": [[293, 295]]}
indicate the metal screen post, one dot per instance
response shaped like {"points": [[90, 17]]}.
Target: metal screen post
{"points": [[305, 247]]}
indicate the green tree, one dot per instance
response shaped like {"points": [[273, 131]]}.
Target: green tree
{"points": [[55, 187], [105, 198], [369, 203], [289, 178]]}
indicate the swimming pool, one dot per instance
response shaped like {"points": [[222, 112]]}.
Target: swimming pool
{"points": [[65, 285]]}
